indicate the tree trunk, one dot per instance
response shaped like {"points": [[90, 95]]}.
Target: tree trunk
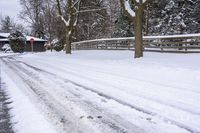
{"points": [[138, 33], [69, 25], [67, 46]]}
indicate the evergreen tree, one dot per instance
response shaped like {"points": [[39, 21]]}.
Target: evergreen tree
{"points": [[123, 27], [174, 17], [17, 42]]}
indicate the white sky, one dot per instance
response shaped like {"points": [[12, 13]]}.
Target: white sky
{"points": [[10, 8]]}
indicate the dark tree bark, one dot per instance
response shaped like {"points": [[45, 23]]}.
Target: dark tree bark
{"points": [[72, 16], [138, 33], [139, 7]]}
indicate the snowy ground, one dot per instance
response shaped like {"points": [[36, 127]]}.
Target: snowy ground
{"points": [[103, 91]]}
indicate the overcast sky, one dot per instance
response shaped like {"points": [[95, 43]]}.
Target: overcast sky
{"points": [[10, 8]]}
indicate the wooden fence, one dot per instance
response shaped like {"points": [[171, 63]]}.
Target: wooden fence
{"points": [[189, 43]]}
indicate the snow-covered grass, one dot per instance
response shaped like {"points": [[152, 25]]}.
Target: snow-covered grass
{"points": [[165, 85]]}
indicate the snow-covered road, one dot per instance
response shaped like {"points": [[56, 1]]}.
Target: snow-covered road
{"points": [[108, 91]]}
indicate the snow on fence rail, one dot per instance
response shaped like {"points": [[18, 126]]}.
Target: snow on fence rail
{"points": [[172, 43]]}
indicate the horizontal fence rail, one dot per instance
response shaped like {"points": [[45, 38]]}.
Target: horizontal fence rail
{"points": [[173, 43]]}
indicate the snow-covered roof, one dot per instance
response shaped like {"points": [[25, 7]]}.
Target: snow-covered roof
{"points": [[5, 35], [36, 39], [5, 39]]}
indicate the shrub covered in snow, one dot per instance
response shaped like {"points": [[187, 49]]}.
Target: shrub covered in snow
{"points": [[17, 41], [6, 47], [57, 45]]}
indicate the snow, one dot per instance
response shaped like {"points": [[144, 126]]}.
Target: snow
{"points": [[6, 47], [138, 1], [157, 93], [24, 114], [3, 54], [3, 39], [66, 22], [197, 35], [35, 39], [128, 8], [6, 35]]}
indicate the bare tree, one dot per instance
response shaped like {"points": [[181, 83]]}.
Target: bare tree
{"points": [[49, 18], [32, 13], [6, 24], [70, 21], [136, 15], [94, 20]]}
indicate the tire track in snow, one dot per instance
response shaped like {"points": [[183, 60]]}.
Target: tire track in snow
{"points": [[5, 123], [98, 70], [154, 98], [165, 119], [114, 126], [179, 106]]}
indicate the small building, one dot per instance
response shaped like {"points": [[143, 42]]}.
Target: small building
{"points": [[38, 45]]}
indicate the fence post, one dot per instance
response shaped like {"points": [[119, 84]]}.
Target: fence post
{"points": [[186, 47], [161, 45]]}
